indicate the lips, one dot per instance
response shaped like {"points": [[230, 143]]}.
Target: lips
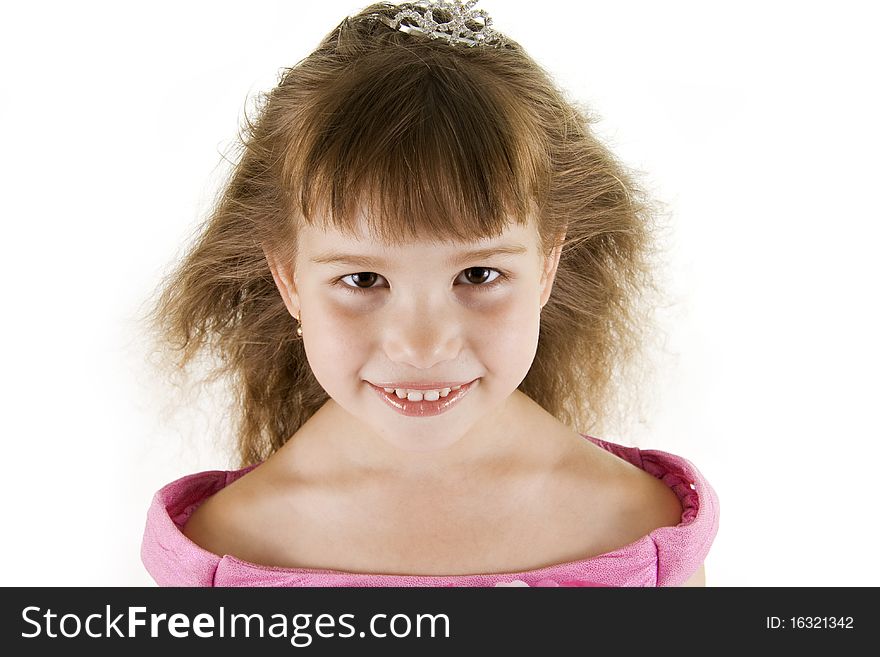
{"points": [[424, 407]]}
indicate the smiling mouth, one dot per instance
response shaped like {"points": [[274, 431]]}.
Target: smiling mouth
{"points": [[415, 404]]}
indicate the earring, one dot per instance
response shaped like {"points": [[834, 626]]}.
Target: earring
{"points": [[299, 330]]}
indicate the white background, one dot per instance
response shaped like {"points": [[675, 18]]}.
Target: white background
{"points": [[756, 122]]}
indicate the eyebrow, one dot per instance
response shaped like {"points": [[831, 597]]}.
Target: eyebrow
{"points": [[333, 257]]}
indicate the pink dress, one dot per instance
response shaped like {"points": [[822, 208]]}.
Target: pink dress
{"points": [[667, 556]]}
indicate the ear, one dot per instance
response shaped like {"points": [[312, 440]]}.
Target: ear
{"points": [[283, 275], [551, 264]]}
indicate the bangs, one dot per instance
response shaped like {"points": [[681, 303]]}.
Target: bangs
{"points": [[415, 141]]}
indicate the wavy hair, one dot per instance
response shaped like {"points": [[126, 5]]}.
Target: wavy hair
{"points": [[432, 138]]}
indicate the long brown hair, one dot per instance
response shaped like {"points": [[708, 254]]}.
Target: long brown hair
{"points": [[432, 138]]}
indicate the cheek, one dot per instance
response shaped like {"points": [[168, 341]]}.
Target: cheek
{"points": [[338, 340], [508, 332]]}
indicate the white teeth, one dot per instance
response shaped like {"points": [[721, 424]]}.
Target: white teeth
{"points": [[419, 395]]}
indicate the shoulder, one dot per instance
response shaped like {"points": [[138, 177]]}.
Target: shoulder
{"points": [[167, 552], [210, 524], [644, 503], [682, 545], [249, 519], [650, 502], [224, 523], [620, 501]]}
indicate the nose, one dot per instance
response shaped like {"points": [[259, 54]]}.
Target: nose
{"points": [[423, 338]]}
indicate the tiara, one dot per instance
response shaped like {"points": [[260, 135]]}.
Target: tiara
{"points": [[419, 17]]}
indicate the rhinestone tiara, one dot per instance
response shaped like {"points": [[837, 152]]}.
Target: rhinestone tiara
{"points": [[419, 17]]}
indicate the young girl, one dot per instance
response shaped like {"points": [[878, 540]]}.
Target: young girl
{"points": [[463, 260]]}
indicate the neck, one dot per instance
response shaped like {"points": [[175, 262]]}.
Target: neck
{"points": [[500, 438]]}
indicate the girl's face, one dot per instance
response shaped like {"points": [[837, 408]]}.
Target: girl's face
{"points": [[375, 317]]}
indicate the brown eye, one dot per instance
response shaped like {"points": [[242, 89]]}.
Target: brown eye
{"points": [[364, 279], [477, 275]]}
